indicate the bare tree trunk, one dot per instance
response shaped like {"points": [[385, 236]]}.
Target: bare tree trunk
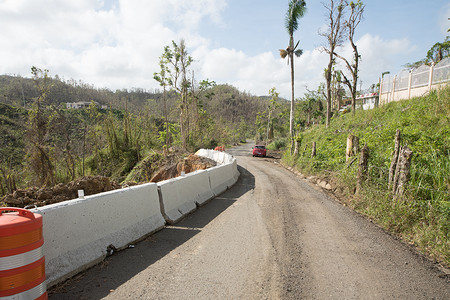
{"points": [[334, 39], [394, 159], [313, 151], [166, 117], [349, 150], [194, 102], [84, 148], [363, 166], [268, 128], [328, 78], [402, 172], [296, 147]]}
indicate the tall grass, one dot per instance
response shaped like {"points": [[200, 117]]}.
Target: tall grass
{"points": [[422, 215]]}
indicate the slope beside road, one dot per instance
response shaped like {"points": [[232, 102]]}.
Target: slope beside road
{"points": [[271, 236]]}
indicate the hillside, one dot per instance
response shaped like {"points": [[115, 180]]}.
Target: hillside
{"points": [[43, 143], [221, 101], [12, 129], [422, 215]]}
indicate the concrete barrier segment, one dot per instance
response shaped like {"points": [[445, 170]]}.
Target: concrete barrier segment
{"points": [[196, 185], [174, 204], [235, 171], [220, 157], [77, 233], [225, 174], [220, 178]]}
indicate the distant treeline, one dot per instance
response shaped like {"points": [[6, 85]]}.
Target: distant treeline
{"points": [[44, 143]]}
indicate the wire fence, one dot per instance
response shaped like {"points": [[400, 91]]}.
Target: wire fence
{"points": [[414, 83], [378, 177]]}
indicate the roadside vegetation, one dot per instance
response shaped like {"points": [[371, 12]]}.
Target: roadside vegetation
{"points": [[43, 143], [421, 215]]}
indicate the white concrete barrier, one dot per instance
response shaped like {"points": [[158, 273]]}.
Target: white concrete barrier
{"points": [[78, 232], [225, 174], [222, 177], [221, 158], [234, 170], [181, 195]]}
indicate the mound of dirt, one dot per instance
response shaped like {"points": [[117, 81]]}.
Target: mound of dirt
{"points": [[168, 167], [61, 192], [189, 164]]}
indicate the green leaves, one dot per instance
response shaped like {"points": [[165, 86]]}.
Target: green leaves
{"points": [[296, 10]]}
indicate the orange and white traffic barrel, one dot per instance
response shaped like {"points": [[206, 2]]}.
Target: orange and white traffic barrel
{"points": [[22, 263]]}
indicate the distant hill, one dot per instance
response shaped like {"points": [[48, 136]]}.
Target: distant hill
{"points": [[20, 91]]}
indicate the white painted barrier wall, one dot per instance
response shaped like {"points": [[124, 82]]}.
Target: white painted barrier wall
{"points": [[78, 232], [218, 156], [181, 195], [223, 176]]}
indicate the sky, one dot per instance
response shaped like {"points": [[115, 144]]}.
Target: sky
{"points": [[116, 44]]}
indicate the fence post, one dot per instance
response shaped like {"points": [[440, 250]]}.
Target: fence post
{"points": [[313, 151], [430, 79], [380, 91], [409, 84], [296, 143], [348, 152], [363, 166], [402, 173], [394, 158], [393, 87]]}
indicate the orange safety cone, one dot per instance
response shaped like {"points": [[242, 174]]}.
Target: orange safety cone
{"points": [[22, 263]]}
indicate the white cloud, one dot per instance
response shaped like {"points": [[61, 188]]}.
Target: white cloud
{"points": [[119, 47], [80, 39], [380, 55]]}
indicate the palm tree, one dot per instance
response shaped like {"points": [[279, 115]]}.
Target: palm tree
{"points": [[296, 10]]}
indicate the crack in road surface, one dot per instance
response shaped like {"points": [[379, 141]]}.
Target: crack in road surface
{"points": [[271, 236]]}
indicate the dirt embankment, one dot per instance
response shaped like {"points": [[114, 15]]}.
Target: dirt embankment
{"points": [[156, 170]]}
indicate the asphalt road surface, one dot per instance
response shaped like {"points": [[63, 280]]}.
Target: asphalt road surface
{"points": [[271, 236]]}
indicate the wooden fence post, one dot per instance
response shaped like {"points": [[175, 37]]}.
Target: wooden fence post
{"points": [[380, 92], [394, 159], [296, 143], [393, 87], [313, 151], [352, 147], [430, 77], [363, 167], [402, 173], [348, 152], [409, 84]]}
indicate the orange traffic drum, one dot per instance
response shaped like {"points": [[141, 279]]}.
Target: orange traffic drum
{"points": [[22, 264]]}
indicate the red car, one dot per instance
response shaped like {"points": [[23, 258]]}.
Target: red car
{"points": [[259, 150]]}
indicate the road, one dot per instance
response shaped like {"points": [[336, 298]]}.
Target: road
{"points": [[271, 236]]}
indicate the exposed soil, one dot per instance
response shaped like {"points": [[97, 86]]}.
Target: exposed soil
{"points": [[186, 165], [153, 168]]}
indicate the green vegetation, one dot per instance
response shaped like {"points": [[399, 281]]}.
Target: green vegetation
{"points": [[422, 215], [43, 143]]}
